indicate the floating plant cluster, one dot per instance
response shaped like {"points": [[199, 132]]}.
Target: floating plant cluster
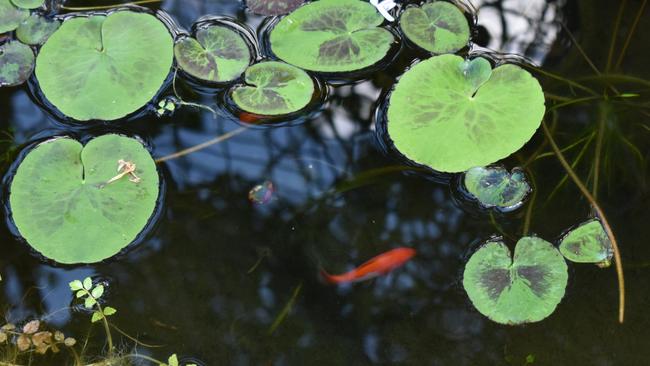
{"points": [[453, 112]]}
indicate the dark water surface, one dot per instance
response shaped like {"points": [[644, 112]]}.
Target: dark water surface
{"points": [[193, 284]]}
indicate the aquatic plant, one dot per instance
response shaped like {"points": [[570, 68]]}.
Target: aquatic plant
{"points": [[16, 63], [28, 4], [587, 243], [496, 187], [438, 27], [36, 29], [273, 7], [104, 66], [452, 114], [83, 204], [11, 16]]}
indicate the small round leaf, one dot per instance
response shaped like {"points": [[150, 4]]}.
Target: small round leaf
{"points": [[588, 243], [105, 67], [36, 29], [11, 16], [218, 54], [64, 207], [332, 36], [495, 187], [16, 63], [523, 289], [438, 27], [28, 4], [444, 115], [274, 88], [273, 7]]}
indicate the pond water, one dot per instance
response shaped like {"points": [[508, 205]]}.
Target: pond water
{"points": [[229, 275]]}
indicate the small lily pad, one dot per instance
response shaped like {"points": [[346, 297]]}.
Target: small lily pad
{"points": [[28, 4], [587, 243], [105, 67], [273, 7], [438, 27], [495, 187], [36, 29], [64, 204], [523, 289], [332, 36], [16, 63], [451, 115], [11, 16], [274, 88], [218, 54]]}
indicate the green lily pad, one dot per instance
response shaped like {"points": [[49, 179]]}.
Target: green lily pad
{"points": [[273, 7], [332, 36], [64, 207], [36, 29], [495, 187], [105, 67], [588, 243], [16, 63], [523, 289], [274, 88], [438, 27], [444, 113], [28, 4], [11, 16], [218, 54]]}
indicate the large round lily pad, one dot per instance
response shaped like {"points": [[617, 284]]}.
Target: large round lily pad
{"points": [[274, 88], [452, 115], [332, 36], [11, 16], [218, 54], [36, 29], [273, 7], [495, 187], [64, 205], [28, 4], [523, 289], [16, 63], [587, 243], [438, 27], [105, 67]]}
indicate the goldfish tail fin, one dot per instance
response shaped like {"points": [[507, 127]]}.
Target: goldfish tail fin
{"points": [[327, 278]]}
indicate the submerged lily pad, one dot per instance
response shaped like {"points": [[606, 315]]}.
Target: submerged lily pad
{"points": [[523, 289], [273, 7], [28, 4], [332, 36], [16, 63], [36, 29], [438, 27], [588, 243], [495, 187], [64, 205], [452, 115], [274, 88], [218, 54], [11, 16], [105, 67]]}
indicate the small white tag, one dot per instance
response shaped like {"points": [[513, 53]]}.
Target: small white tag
{"points": [[384, 7]]}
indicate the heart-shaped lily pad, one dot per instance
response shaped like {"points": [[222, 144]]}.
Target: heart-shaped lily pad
{"points": [[274, 88], [16, 63], [332, 36], [28, 4], [495, 187], [105, 67], [444, 115], [273, 7], [523, 289], [218, 54], [438, 27], [11, 16], [36, 29], [587, 243], [70, 203]]}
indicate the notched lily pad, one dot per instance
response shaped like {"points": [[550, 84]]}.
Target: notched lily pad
{"points": [[218, 54], [105, 67], [16, 63], [523, 289], [332, 36], [438, 27], [588, 243], [80, 204], [28, 4], [495, 187], [451, 116], [274, 88], [36, 29], [273, 7], [11, 16]]}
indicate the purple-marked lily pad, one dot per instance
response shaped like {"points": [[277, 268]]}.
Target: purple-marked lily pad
{"points": [[16, 63], [438, 27], [273, 7], [588, 243]]}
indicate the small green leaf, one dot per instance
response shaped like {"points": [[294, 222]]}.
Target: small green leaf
{"points": [[75, 285], [88, 283], [438, 27], [89, 302], [97, 316], [81, 293], [28, 4], [108, 311], [36, 29], [98, 291], [11, 16], [587, 243], [173, 360], [16, 63], [495, 187]]}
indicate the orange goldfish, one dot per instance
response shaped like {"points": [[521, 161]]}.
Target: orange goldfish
{"points": [[377, 266]]}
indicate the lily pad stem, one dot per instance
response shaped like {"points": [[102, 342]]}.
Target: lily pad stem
{"points": [[202, 146], [599, 212]]}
